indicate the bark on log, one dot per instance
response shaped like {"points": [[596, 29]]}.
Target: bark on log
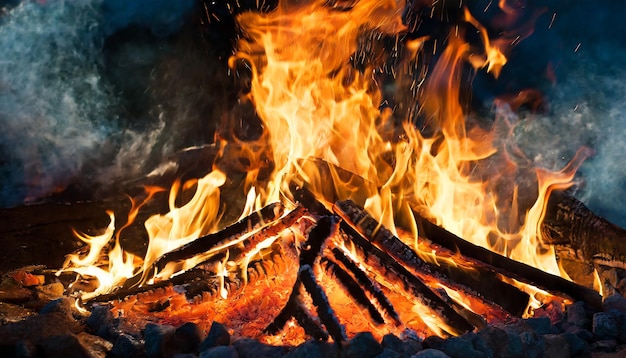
{"points": [[508, 267], [486, 284], [570, 223]]}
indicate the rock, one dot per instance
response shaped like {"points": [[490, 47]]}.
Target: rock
{"points": [[126, 346], [541, 325], [577, 315], [186, 339], [389, 353], [605, 326], [50, 292], [430, 353], [66, 346], [406, 347], [577, 346], [361, 346], [581, 333], [13, 313], [157, 337], [478, 343], [95, 346], [220, 352], [433, 342], [38, 327], [556, 346], [251, 348], [614, 302], [313, 349], [100, 316], [457, 347], [534, 344], [605, 345], [502, 343], [63, 305], [218, 336]]}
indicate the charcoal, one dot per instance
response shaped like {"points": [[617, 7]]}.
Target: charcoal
{"points": [[362, 345], [577, 315], [37, 328], [313, 349], [220, 352], [100, 316], [430, 353], [157, 338], [95, 347], [389, 353], [577, 346], [614, 302], [65, 345], [218, 336], [126, 346], [250, 348], [605, 325], [186, 339]]}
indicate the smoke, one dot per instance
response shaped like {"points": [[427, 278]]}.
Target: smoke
{"points": [[59, 116]]}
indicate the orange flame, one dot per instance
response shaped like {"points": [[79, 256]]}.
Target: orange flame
{"points": [[325, 130]]}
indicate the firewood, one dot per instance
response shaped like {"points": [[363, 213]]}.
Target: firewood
{"points": [[398, 273], [506, 266], [485, 283], [267, 214], [570, 223]]}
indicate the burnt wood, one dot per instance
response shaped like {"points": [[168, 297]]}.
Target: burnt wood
{"points": [[570, 223], [482, 281], [506, 266]]}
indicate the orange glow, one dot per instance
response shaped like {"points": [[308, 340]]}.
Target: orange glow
{"points": [[324, 130]]}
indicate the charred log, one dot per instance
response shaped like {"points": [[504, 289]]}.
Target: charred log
{"points": [[267, 214], [412, 284], [570, 223], [506, 266], [485, 283]]}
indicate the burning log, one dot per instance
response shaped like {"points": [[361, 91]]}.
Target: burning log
{"points": [[485, 282], [506, 266], [253, 221], [570, 223]]}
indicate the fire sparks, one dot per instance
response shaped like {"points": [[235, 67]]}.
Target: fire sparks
{"points": [[326, 132]]}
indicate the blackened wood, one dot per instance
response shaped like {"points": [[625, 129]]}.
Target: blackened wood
{"points": [[311, 325], [486, 283], [312, 247], [412, 284], [506, 266], [370, 286], [570, 223], [267, 214], [353, 289], [320, 301]]}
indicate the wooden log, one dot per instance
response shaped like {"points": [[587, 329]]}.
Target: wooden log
{"points": [[506, 266], [481, 280], [267, 214], [568, 222], [398, 273]]}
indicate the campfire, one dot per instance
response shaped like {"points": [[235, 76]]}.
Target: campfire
{"points": [[333, 211]]}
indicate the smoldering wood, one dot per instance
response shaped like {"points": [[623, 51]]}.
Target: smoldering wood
{"points": [[506, 266], [568, 222], [269, 213], [353, 289], [486, 283], [368, 285], [412, 284], [320, 301]]}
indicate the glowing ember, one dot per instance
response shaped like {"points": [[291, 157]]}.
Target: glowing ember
{"points": [[324, 130]]}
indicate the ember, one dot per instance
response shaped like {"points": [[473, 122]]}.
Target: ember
{"points": [[334, 213]]}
